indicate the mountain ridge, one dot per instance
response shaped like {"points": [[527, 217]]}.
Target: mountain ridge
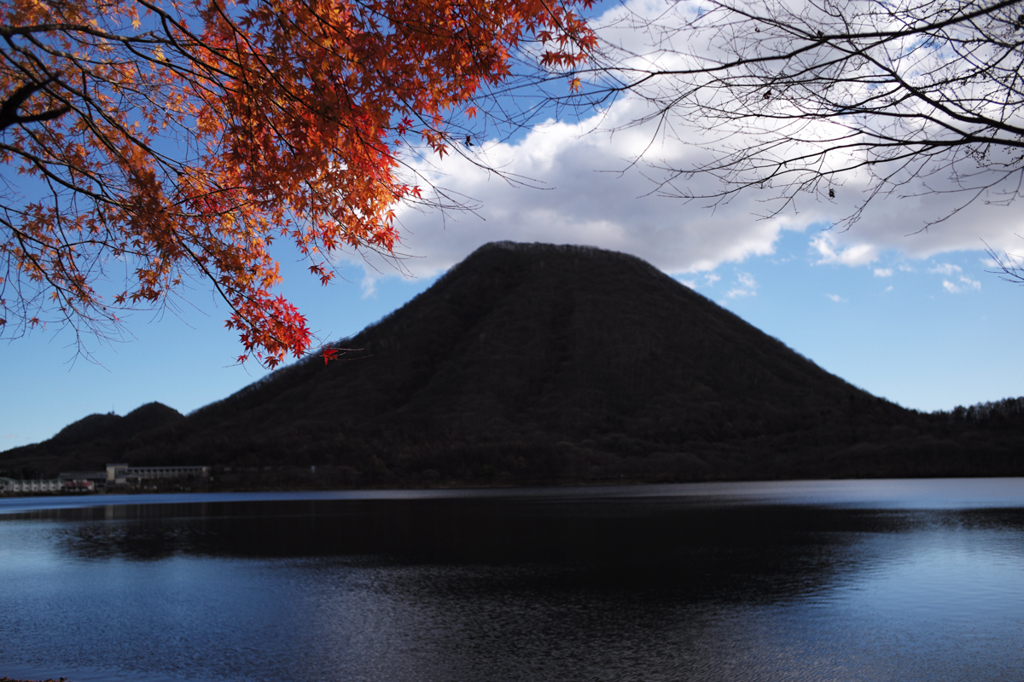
{"points": [[543, 363]]}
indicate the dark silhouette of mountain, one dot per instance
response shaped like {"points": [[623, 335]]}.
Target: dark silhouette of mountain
{"points": [[82, 445], [539, 363], [149, 416]]}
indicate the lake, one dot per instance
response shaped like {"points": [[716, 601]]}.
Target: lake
{"points": [[812, 580]]}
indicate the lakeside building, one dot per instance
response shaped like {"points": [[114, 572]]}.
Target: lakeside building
{"points": [[124, 475], [13, 485], [83, 481], [115, 476], [79, 486]]}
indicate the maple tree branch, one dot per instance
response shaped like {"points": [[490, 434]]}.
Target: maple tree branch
{"points": [[181, 138], [9, 108]]}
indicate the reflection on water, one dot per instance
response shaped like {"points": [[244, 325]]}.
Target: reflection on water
{"points": [[718, 582]]}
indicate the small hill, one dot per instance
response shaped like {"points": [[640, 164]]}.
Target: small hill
{"points": [[90, 427], [540, 363], [88, 443], [106, 426]]}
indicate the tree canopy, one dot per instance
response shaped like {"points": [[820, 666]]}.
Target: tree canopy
{"points": [[152, 141], [802, 96]]}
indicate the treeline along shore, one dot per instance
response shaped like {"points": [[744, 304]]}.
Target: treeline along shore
{"points": [[540, 364]]}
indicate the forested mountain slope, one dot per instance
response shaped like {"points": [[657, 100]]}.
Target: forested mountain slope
{"points": [[559, 363]]}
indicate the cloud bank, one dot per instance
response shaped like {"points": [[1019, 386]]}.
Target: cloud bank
{"points": [[579, 183]]}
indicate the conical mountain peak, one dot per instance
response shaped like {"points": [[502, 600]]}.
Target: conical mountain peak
{"points": [[543, 363]]}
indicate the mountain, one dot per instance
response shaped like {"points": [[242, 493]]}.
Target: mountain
{"points": [[80, 446], [540, 363], [150, 416]]}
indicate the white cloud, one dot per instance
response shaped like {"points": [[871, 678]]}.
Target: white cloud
{"points": [[946, 269], [578, 204], [709, 280], [593, 194], [829, 251], [965, 284], [970, 283], [745, 285], [883, 272], [836, 298]]}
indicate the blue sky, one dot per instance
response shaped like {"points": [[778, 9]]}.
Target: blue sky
{"points": [[910, 316]]}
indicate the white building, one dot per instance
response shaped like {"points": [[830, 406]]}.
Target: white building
{"points": [[11, 485], [89, 481], [122, 474]]}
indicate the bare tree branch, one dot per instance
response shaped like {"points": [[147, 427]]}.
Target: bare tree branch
{"points": [[799, 96]]}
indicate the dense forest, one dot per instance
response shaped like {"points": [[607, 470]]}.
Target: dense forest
{"points": [[547, 364]]}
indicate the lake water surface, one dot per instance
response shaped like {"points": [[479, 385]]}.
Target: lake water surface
{"points": [[833, 580]]}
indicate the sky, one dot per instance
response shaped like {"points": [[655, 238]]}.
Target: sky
{"points": [[918, 318]]}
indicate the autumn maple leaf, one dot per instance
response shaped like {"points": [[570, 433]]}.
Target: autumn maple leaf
{"points": [[179, 138]]}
